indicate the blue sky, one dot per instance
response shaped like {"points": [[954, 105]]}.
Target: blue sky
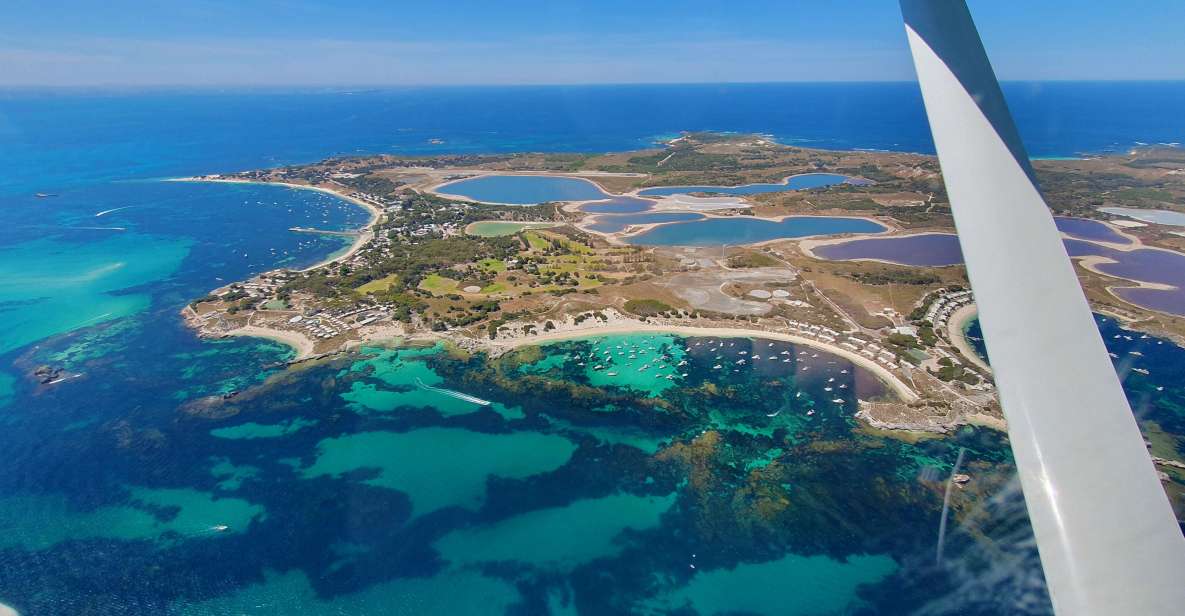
{"points": [[274, 42]]}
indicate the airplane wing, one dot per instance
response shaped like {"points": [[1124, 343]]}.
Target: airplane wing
{"points": [[1109, 541]]}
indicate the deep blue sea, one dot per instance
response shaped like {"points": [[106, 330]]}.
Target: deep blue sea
{"points": [[113, 485]]}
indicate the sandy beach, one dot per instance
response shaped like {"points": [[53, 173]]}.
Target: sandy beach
{"points": [[955, 328], [903, 391], [302, 344]]}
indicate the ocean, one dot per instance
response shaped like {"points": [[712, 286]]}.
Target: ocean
{"points": [[345, 488]]}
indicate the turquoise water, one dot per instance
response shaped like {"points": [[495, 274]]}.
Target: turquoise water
{"points": [[133, 489], [738, 230], [51, 287], [659, 477], [794, 182], [524, 189]]}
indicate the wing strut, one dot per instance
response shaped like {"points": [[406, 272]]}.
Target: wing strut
{"points": [[1107, 536]]}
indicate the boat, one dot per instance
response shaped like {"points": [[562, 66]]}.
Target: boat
{"points": [[773, 414], [837, 400], [1140, 370], [221, 528], [42, 195], [611, 373]]}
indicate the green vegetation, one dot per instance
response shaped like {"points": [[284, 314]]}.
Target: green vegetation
{"points": [[647, 307], [382, 284], [536, 241], [439, 285], [752, 259], [499, 228], [910, 276]]}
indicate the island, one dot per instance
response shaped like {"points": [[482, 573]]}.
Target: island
{"points": [[851, 253]]}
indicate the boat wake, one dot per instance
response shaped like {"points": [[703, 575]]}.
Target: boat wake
{"points": [[114, 209], [453, 394]]}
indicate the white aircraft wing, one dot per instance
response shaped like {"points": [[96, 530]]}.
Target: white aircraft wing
{"points": [[1109, 541]]}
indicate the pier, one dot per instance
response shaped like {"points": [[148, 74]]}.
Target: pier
{"points": [[324, 231]]}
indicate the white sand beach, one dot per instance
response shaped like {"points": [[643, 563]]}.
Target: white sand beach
{"points": [[596, 328]]}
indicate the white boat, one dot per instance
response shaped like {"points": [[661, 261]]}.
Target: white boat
{"points": [[773, 414], [611, 373], [837, 400]]}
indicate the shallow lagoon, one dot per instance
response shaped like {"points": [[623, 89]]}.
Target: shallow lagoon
{"points": [[620, 222], [1159, 217], [937, 249], [926, 249], [523, 189], [618, 205], [1086, 229], [739, 230], [794, 182]]}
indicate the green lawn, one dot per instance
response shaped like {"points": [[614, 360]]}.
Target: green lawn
{"points": [[492, 265], [536, 242], [498, 228], [382, 284], [439, 285]]}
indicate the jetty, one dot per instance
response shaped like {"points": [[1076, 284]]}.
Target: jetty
{"points": [[324, 231]]}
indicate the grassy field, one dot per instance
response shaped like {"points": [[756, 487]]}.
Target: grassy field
{"points": [[382, 284], [536, 241], [439, 285], [492, 265], [498, 228]]}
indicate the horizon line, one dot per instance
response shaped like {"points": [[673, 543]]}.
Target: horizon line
{"points": [[382, 86]]}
